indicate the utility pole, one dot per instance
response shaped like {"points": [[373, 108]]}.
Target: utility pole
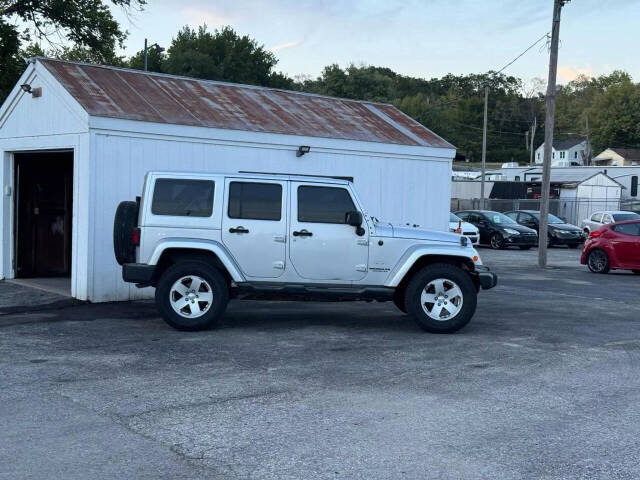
{"points": [[533, 134], [548, 134], [484, 145], [588, 149], [145, 54]]}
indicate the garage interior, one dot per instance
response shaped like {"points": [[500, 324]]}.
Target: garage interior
{"points": [[43, 211]]}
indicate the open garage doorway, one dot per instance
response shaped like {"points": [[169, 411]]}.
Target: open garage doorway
{"points": [[43, 208]]}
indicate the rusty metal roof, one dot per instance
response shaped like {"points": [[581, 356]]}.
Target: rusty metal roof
{"points": [[152, 97]]}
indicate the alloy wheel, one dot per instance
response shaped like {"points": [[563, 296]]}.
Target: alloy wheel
{"points": [[441, 299], [597, 261], [191, 296]]}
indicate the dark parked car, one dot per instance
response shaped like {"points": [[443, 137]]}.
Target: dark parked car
{"points": [[613, 246], [500, 231], [560, 232]]}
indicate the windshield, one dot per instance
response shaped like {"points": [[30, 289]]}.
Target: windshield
{"points": [[453, 218], [500, 218], [552, 218], [621, 217]]}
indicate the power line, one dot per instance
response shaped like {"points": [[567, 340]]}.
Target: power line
{"points": [[499, 132], [546, 35]]}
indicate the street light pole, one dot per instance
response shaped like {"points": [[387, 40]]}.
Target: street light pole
{"points": [[548, 134]]}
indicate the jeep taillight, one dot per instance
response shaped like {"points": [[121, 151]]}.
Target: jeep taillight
{"points": [[135, 236]]}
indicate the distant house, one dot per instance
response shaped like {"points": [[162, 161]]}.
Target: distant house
{"points": [[565, 152], [619, 157]]}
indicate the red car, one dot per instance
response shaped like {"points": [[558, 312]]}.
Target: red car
{"points": [[613, 246]]}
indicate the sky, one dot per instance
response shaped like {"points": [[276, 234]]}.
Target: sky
{"points": [[422, 38]]}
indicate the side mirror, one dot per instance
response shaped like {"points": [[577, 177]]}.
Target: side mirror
{"points": [[353, 218]]}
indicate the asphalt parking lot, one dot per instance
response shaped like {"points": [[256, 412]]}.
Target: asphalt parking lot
{"points": [[542, 384]]}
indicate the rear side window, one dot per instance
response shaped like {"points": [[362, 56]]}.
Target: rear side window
{"points": [[628, 229], [323, 204], [182, 197], [255, 201], [596, 217]]}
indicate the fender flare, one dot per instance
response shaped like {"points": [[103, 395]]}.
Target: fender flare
{"points": [[413, 254], [197, 244]]}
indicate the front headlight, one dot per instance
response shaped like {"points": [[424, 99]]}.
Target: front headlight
{"points": [[511, 231]]}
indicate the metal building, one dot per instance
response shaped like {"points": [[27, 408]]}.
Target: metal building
{"points": [[76, 139]]}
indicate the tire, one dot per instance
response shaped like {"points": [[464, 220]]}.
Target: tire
{"points": [[124, 222], [598, 261], [496, 241], [525, 247], [573, 245], [177, 280], [549, 241], [425, 282]]}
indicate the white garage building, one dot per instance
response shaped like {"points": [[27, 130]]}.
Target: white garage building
{"points": [[77, 139]]}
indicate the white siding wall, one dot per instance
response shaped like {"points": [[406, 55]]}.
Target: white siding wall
{"points": [[393, 189], [50, 122]]}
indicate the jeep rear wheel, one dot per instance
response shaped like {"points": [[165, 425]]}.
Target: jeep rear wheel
{"points": [[191, 296], [441, 298]]}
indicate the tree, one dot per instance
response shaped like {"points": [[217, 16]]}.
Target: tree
{"points": [[76, 28], [221, 55], [156, 59], [11, 65], [615, 116]]}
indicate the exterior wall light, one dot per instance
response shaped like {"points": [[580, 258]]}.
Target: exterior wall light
{"points": [[35, 92], [302, 149]]}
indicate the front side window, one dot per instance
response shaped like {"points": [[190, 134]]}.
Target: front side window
{"points": [[183, 197], [255, 201], [323, 204], [514, 215]]}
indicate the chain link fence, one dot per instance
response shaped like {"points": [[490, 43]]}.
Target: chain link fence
{"points": [[573, 211]]}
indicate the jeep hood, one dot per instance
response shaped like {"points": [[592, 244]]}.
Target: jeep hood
{"points": [[414, 233]]}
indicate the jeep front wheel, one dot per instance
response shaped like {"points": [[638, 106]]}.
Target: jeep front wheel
{"points": [[191, 296], [441, 298]]}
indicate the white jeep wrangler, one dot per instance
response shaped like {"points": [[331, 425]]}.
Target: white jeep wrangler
{"points": [[203, 238]]}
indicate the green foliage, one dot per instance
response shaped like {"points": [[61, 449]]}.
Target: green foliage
{"points": [[615, 115], [156, 59], [220, 55], [11, 65], [87, 25]]}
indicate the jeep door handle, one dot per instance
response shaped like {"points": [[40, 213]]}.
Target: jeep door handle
{"points": [[302, 233], [238, 230]]}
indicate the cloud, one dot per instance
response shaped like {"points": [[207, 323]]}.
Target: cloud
{"points": [[567, 74], [282, 46]]}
